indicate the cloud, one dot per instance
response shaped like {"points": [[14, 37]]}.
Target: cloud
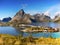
{"points": [[47, 13], [57, 13], [24, 5], [32, 12], [52, 10]]}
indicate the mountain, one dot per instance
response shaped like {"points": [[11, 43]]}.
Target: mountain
{"points": [[42, 18], [0, 21], [6, 19], [22, 17], [57, 19]]}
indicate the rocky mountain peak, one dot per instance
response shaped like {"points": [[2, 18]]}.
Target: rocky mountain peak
{"points": [[22, 17], [20, 13]]}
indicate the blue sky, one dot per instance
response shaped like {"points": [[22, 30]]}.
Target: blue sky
{"points": [[8, 8]]}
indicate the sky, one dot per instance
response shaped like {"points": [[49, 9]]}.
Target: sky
{"points": [[8, 8]]}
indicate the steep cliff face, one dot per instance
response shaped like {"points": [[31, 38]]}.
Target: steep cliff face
{"points": [[57, 19], [42, 18], [21, 17], [20, 13], [0, 20]]}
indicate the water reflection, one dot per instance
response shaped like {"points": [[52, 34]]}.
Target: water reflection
{"points": [[43, 34], [16, 31], [8, 30], [47, 24]]}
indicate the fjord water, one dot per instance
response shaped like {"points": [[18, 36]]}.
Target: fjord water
{"points": [[14, 31], [8, 30], [47, 24]]}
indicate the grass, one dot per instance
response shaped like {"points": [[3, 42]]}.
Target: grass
{"points": [[6, 39]]}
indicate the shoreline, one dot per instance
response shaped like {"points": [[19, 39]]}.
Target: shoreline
{"points": [[40, 29]]}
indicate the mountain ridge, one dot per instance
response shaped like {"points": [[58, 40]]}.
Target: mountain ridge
{"points": [[22, 17]]}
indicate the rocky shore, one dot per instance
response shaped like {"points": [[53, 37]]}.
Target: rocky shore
{"points": [[40, 29]]}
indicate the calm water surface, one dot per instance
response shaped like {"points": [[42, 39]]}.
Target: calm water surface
{"points": [[14, 31], [8, 30], [49, 24]]}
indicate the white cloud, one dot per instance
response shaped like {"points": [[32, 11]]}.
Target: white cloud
{"points": [[53, 10], [24, 6], [33, 12], [47, 13], [57, 13]]}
